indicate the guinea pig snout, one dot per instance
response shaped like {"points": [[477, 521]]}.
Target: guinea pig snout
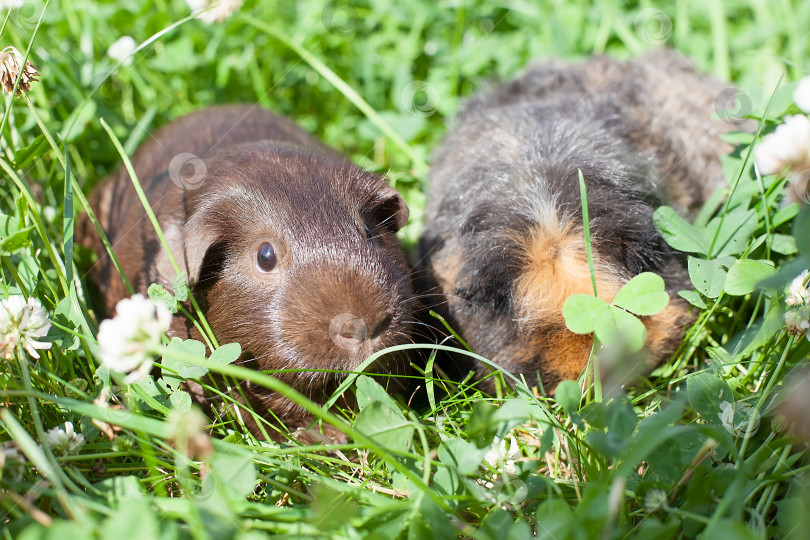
{"points": [[349, 331], [337, 317]]}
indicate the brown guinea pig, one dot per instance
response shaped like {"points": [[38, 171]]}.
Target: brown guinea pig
{"points": [[503, 241], [290, 249]]}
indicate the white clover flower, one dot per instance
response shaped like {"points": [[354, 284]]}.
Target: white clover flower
{"points": [[797, 293], [654, 500], [131, 339], [122, 48], [49, 213], [64, 442], [801, 95], [12, 464], [797, 317], [788, 145], [767, 156], [22, 322], [797, 321], [221, 10], [501, 458], [794, 135]]}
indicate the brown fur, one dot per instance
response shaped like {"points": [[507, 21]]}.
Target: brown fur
{"points": [[332, 226]]}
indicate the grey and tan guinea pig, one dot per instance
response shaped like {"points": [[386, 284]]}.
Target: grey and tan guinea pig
{"points": [[290, 249], [503, 244]]}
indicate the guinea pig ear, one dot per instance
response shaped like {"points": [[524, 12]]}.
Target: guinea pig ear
{"points": [[197, 251], [391, 208], [203, 254]]}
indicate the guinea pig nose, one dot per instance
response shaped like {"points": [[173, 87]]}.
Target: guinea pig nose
{"points": [[347, 330]]}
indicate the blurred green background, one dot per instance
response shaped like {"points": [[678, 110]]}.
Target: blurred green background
{"points": [[412, 62]]}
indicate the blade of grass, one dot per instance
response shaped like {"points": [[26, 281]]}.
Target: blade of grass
{"points": [[67, 221], [5, 20], [319, 412], [586, 229], [32, 204], [717, 19], [349, 380], [76, 190], [30, 448], [742, 167], [205, 331], [57, 475], [450, 329]]}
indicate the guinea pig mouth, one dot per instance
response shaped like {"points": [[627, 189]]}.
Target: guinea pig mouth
{"points": [[344, 344], [335, 318]]}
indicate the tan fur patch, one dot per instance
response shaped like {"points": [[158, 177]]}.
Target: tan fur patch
{"points": [[556, 266], [566, 354], [446, 267]]}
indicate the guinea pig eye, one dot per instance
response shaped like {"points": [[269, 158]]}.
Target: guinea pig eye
{"points": [[368, 231], [266, 258]]}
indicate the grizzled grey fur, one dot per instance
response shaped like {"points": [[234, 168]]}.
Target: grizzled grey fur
{"points": [[642, 132]]}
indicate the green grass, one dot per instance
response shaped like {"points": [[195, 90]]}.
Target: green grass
{"points": [[381, 81]]}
